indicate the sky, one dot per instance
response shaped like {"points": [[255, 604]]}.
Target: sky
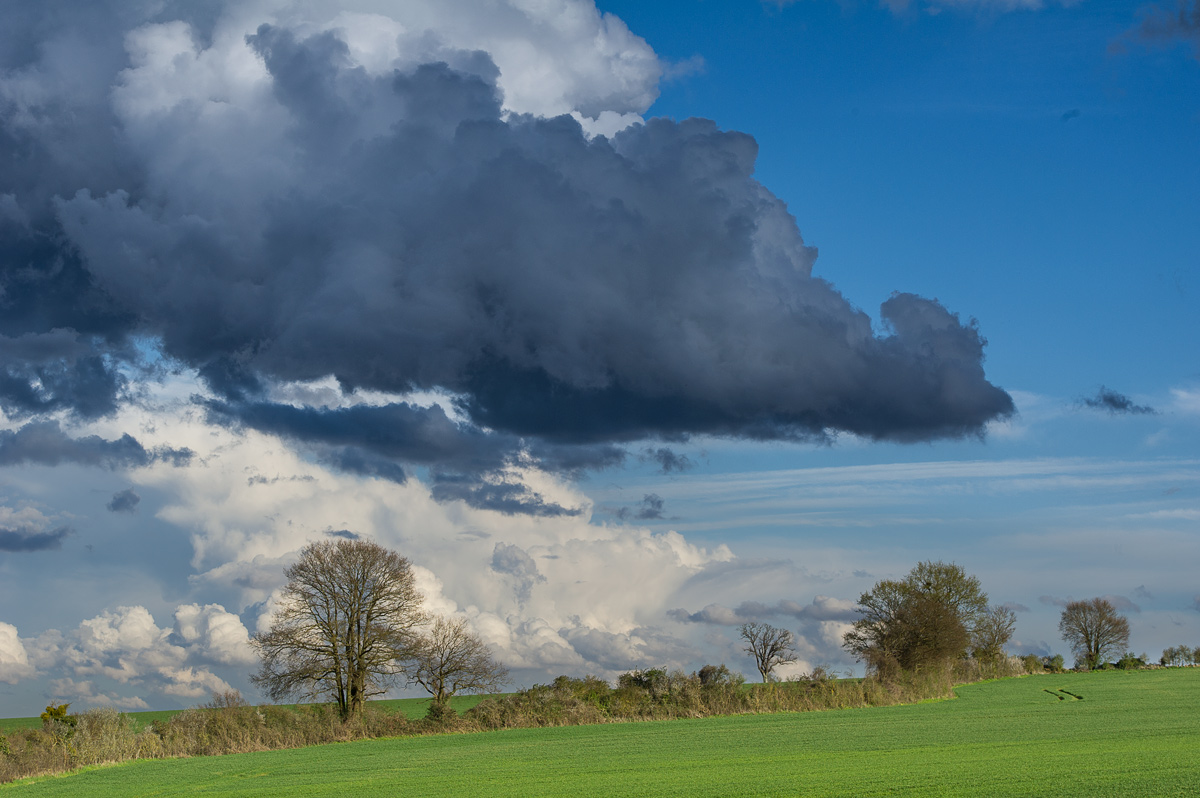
{"points": [[626, 323]]}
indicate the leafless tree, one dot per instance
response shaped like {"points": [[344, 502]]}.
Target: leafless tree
{"points": [[992, 631], [769, 646], [1094, 630], [346, 623], [451, 659]]}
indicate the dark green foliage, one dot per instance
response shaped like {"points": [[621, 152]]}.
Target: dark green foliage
{"points": [[1054, 664], [1032, 663], [925, 620], [1130, 661]]}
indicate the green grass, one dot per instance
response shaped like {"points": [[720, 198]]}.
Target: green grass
{"points": [[1127, 734], [413, 708]]}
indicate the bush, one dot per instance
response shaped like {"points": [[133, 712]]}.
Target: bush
{"points": [[1033, 663], [1130, 661], [1054, 664]]}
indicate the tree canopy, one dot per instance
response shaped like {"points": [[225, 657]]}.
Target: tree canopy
{"points": [[451, 659], [928, 617], [770, 647], [345, 625], [1094, 630]]}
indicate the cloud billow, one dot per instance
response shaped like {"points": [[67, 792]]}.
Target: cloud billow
{"points": [[404, 230]]}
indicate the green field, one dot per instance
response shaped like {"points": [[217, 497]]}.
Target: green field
{"points": [[1109, 733], [412, 708]]}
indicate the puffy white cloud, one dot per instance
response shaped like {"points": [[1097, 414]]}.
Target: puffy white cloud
{"points": [[214, 633], [126, 647], [14, 661]]}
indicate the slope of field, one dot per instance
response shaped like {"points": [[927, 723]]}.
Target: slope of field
{"points": [[1111, 733]]}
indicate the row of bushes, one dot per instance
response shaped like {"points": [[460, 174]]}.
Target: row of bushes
{"points": [[225, 725], [713, 690], [228, 725]]}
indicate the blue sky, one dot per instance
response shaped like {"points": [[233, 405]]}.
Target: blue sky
{"points": [[287, 282]]}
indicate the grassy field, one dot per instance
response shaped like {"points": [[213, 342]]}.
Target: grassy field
{"points": [[412, 708], [1110, 733]]}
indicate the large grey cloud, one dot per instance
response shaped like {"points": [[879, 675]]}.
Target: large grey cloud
{"points": [[45, 443], [271, 210]]}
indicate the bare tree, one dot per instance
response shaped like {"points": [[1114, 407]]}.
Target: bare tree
{"points": [[924, 619], [345, 625], [451, 659], [1094, 630], [769, 646], [992, 631]]}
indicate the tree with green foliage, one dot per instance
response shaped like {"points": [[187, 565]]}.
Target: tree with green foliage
{"points": [[927, 618], [345, 625], [1177, 655], [451, 659], [769, 646], [1094, 630]]}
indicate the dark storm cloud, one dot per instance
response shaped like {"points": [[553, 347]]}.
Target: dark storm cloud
{"points": [[24, 539], [125, 501], [45, 443], [1113, 402], [510, 498], [373, 441], [401, 232]]}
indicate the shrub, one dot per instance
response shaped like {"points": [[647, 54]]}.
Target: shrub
{"points": [[1130, 661], [1054, 664], [1032, 663]]}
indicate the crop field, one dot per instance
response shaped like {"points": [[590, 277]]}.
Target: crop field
{"points": [[1109, 733]]}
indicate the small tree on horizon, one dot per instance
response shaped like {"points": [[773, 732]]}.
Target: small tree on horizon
{"points": [[769, 646], [1094, 630], [451, 659]]}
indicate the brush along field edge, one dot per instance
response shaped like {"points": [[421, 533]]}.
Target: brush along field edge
{"points": [[1128, 733]]}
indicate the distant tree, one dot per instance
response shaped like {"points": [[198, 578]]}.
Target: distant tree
{"points": [[451, 659], [346, 624], [1177, 655], [1054, 664], [928, 617], [992, 631], [769, 646], [1094, 630]]}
